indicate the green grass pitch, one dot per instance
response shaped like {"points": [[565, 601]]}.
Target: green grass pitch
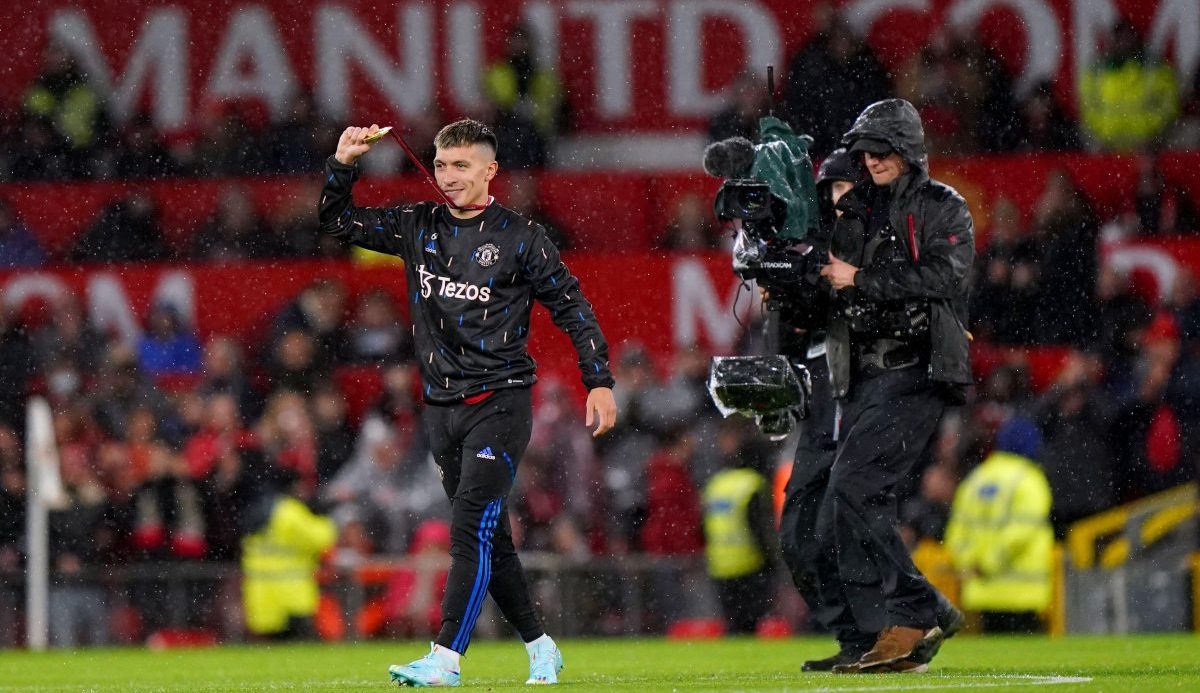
{"points": [[1135, 663]]}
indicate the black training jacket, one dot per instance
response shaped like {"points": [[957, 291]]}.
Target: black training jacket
{"points": [[471, 285]]}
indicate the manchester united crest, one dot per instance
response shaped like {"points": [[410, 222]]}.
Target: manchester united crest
{"points": [[487, 254]]}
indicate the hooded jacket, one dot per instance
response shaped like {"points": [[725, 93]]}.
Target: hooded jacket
{"points": [[932, 222]]}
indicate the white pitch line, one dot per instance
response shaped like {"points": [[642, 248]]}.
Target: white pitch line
{"points": [[1006, 681]]}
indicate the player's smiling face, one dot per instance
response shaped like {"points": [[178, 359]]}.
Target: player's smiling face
{"points": [[463, 173]]}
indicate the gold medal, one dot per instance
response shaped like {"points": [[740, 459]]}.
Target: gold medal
{"points": [[377, 135]]}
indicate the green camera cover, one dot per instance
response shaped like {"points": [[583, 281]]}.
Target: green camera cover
{"points": [[781, 158]]}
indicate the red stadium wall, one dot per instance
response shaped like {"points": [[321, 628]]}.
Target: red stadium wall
{"points": [[613, 218], [628, 67], [602, 212], [661, 302], [608, 212]]}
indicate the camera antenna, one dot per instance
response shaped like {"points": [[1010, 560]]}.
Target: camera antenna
{"points": [[770, 90]]}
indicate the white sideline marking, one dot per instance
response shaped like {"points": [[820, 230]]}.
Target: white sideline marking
{"points": [[1005, 681]]}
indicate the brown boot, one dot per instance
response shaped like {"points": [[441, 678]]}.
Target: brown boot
{"points": [[904, 666], [894, 644]]}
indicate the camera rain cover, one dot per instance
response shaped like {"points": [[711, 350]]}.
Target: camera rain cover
{"points": [[781, 159], [756, 384]]}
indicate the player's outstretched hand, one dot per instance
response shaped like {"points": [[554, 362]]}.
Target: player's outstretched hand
{"points": [[601, 403], [351, 145]]}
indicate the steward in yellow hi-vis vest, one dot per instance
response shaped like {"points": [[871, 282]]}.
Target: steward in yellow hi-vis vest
{"points": [[1128, 99], [730, 546], [999, 533], [279, 563], [738, 540]]}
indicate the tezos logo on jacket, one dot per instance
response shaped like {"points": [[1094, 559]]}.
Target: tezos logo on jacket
{"points": [[449, 288]]}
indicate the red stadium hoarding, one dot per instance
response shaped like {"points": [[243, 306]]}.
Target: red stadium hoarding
{"points": [[613, 212], [664, 303], [633, 66], [581, 203], [661, 302]]}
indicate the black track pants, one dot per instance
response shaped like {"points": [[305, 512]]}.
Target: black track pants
{"points": [[477, 447]]}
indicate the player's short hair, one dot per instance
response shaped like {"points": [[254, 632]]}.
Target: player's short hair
{"points": [[464, 133]]}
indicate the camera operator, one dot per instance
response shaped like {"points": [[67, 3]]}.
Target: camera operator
{"points": [[802, 337], [897, 354], [801, 323]]}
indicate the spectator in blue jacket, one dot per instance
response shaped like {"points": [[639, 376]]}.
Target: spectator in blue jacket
{"points": [[18, 246], [168, 345]]}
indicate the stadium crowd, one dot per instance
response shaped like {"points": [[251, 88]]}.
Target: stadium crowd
{"points": [[969, 98], [165, 443]]}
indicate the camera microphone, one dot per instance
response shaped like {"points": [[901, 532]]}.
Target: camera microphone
{"points": [[730, 158]]}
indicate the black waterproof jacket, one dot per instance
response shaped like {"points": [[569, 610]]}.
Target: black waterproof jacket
{"points": [[932, 221]]}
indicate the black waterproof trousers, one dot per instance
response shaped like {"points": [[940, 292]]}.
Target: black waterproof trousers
{"points": [[813, 564], [477, 447], [887, 425]]}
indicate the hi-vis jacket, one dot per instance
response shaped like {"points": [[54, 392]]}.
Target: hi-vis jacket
{"points": [[1126, 104], [1000, 536], [729, 542], [279, 564]]}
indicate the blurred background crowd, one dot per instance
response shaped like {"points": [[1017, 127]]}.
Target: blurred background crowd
{"points": [[969, 98]]}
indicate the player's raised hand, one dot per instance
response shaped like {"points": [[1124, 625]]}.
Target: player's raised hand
{"points": [[351, 144], [601, 403]]}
